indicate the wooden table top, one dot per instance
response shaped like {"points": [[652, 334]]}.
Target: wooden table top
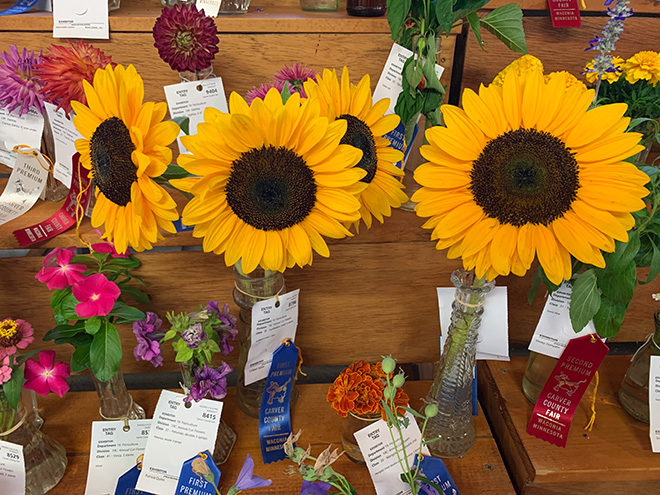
{"points": [[68, 420]]}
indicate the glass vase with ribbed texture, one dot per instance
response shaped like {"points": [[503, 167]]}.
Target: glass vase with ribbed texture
{"points": [[452, 429], [115, 401]]}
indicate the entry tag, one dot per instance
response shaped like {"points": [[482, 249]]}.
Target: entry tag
{"points": [[273, 321], [177, 434], [210, 7], [113, 451], [434, 469], [128, 480], [14, 130], [275, 413], [19, 7], [564, 13], [64, 135], [190, 99], [76, 19], [12, 468], [199, 476], [561, 394], [25, 185], [654, 403], [493, 340], [554, 329]]}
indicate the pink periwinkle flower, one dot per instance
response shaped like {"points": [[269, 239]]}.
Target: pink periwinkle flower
{"points": [[14, 335], [45, 376], [106, 247], [58, 272], [96, 295]]}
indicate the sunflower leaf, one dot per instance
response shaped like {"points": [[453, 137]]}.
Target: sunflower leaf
{"points": [[609, 317], [585, 300], [618, 285], [655, 264], [475, 25], [624, 252], [397, 12], [505, 23], [105, 352], [445, 15], [462, 8], [183, 123]]}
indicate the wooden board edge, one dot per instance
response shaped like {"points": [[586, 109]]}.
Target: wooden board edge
{"points": [[512, 450]]}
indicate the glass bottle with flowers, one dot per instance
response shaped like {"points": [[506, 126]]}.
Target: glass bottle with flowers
{"points": [[186, 40], [196, 337], [89, 301], [265, 198], [45, 459]]}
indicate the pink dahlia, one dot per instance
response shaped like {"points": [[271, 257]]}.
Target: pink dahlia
{"points": [[63, 69], [261, 91], [295, 75], [58, 272], [96, 296], [14, 335], [45, 376], [19, 86], [186, 38]]}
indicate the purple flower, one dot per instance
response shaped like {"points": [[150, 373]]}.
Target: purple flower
{"points": [[311, 488], [261, 91], [194, 336], [426, 489], [246, 480], [228, 330], [19, 87], [296, 75], [147, 334], [208, 380]]}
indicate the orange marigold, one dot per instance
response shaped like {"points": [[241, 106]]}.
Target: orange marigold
{"points": [[342, 393]]}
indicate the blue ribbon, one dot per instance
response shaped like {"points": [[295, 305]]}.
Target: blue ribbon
{"points": [[274, 416], [433, 469], [397, 139], [127, 481], [199, 481], [19, 7]]}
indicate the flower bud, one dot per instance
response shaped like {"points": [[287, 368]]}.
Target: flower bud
{"points": [[430, 410], [389, 392], [398, 380], [388, 365]]}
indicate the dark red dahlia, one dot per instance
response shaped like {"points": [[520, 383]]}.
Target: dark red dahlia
{"points": [[186, 38]]}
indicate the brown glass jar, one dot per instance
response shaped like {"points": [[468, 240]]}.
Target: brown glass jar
{"points": [[366, 8]]}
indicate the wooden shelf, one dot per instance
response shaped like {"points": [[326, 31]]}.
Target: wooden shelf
{"points": [[614, 458], [480, 471]]}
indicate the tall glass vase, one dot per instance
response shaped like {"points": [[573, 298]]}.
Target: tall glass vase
{"points": [[198, 75], [251, 288], [45, 459], [234, 6], [116, 402], [55, 190], [452, 429], [226, 438]]}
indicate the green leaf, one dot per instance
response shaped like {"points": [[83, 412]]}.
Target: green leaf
{"points": [[93, 325], [609, 317], [66, 310], [81, 359], [655, 265], [475, 25], [170, 334], [624, 252], [618, 285], [128, 263], [184, 354], [463, 7], [536, 283], [105, 353], [413, 412], [397, 12], [445, 15], [25, 356], [505, 23], [126, 313], [136, 294], [13, 387], [183, 123], [585, 300], [432, 101], [286, 93], [62, 334], [413, 74], [58, 296]]}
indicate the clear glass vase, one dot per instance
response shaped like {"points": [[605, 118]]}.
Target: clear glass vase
{"points": [[319, 5], [226, 438], [452, 429], [539, 368], [45, 459], [634, 391], [251, 288], [366, 8], [234, 6], [200, 75], [349, 425], [55, 190], [113, 5], [116, 402], [172, 3]]}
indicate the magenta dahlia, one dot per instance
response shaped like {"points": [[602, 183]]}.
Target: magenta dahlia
{"points": [[260, 91], [296, 75], [186, 38], [19, 86]]}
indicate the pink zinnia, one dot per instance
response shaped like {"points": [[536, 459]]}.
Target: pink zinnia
{"points": [[45, 376], [58, 272], [19, 86], [261, 91], [14, 335], [96, 295], [106, 247], [5, 370]]}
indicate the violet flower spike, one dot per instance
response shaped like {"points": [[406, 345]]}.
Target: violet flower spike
{"points": [[246, 480]]}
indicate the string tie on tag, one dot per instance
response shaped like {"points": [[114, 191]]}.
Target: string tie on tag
{"points": [[124, 418], [15, 427], [79, 209], [19, 149], [592, 421], [263, 298]]}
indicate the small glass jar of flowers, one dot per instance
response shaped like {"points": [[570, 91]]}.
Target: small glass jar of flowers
{"points": [[357, 396]]}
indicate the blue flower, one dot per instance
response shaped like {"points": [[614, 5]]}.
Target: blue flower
{"points": [[311, 488], [246, 480]]}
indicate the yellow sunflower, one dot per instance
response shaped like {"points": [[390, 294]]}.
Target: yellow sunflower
{"points": [[520, 173], [367, 126], [643, 66], [271, 179], [609, 77], [124, 145]]}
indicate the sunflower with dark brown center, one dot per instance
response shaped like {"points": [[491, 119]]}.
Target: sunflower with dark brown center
{"points": [[526, 170], [271, 179], [367, 126]]}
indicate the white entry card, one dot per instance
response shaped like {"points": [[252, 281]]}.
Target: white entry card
{"points": [[177, 434], [390, 81], [14, 130], [64, 135], [114, 451], [12, 468], [554, 329], [210, 7], [76, 19], [493, 343], [376, 445], [273, 321], [654, 403], [190, 99]]}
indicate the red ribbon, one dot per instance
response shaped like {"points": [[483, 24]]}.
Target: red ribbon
{"points": [[564, 13]]}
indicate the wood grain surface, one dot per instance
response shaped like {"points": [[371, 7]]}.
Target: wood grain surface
{"points": [[614, 458], [481, 471]]}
